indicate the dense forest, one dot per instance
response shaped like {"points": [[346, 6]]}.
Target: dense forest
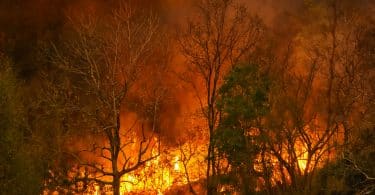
{"points": [[187, 97]]}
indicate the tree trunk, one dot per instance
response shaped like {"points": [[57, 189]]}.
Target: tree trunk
{"points": [[211, 174], [208, 174], [116, 174], [116, 185]]}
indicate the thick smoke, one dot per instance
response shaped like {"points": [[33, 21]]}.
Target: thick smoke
{"points": [[25, 24]]}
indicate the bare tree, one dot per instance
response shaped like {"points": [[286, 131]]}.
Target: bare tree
{"points": [[221, 33], [191, 154], [316, 106], [103, 64]]}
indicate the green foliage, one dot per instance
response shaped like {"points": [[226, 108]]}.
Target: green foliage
{"points": [[346, 175], [243, 101], [20, 171], [244, 93]]}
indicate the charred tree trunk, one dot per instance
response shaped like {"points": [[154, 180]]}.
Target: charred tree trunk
{"points": [[213, 43], [116, 174], [116, 184], [210, 174]]}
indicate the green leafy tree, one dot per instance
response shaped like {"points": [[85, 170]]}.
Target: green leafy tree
{"points": [[243, 102], [218, 36], [20, 167]]}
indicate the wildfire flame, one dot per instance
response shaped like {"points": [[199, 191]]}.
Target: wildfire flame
{"points": [[169, 170]]}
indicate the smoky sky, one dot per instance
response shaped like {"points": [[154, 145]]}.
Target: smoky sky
{"points": [[25, 24]]}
